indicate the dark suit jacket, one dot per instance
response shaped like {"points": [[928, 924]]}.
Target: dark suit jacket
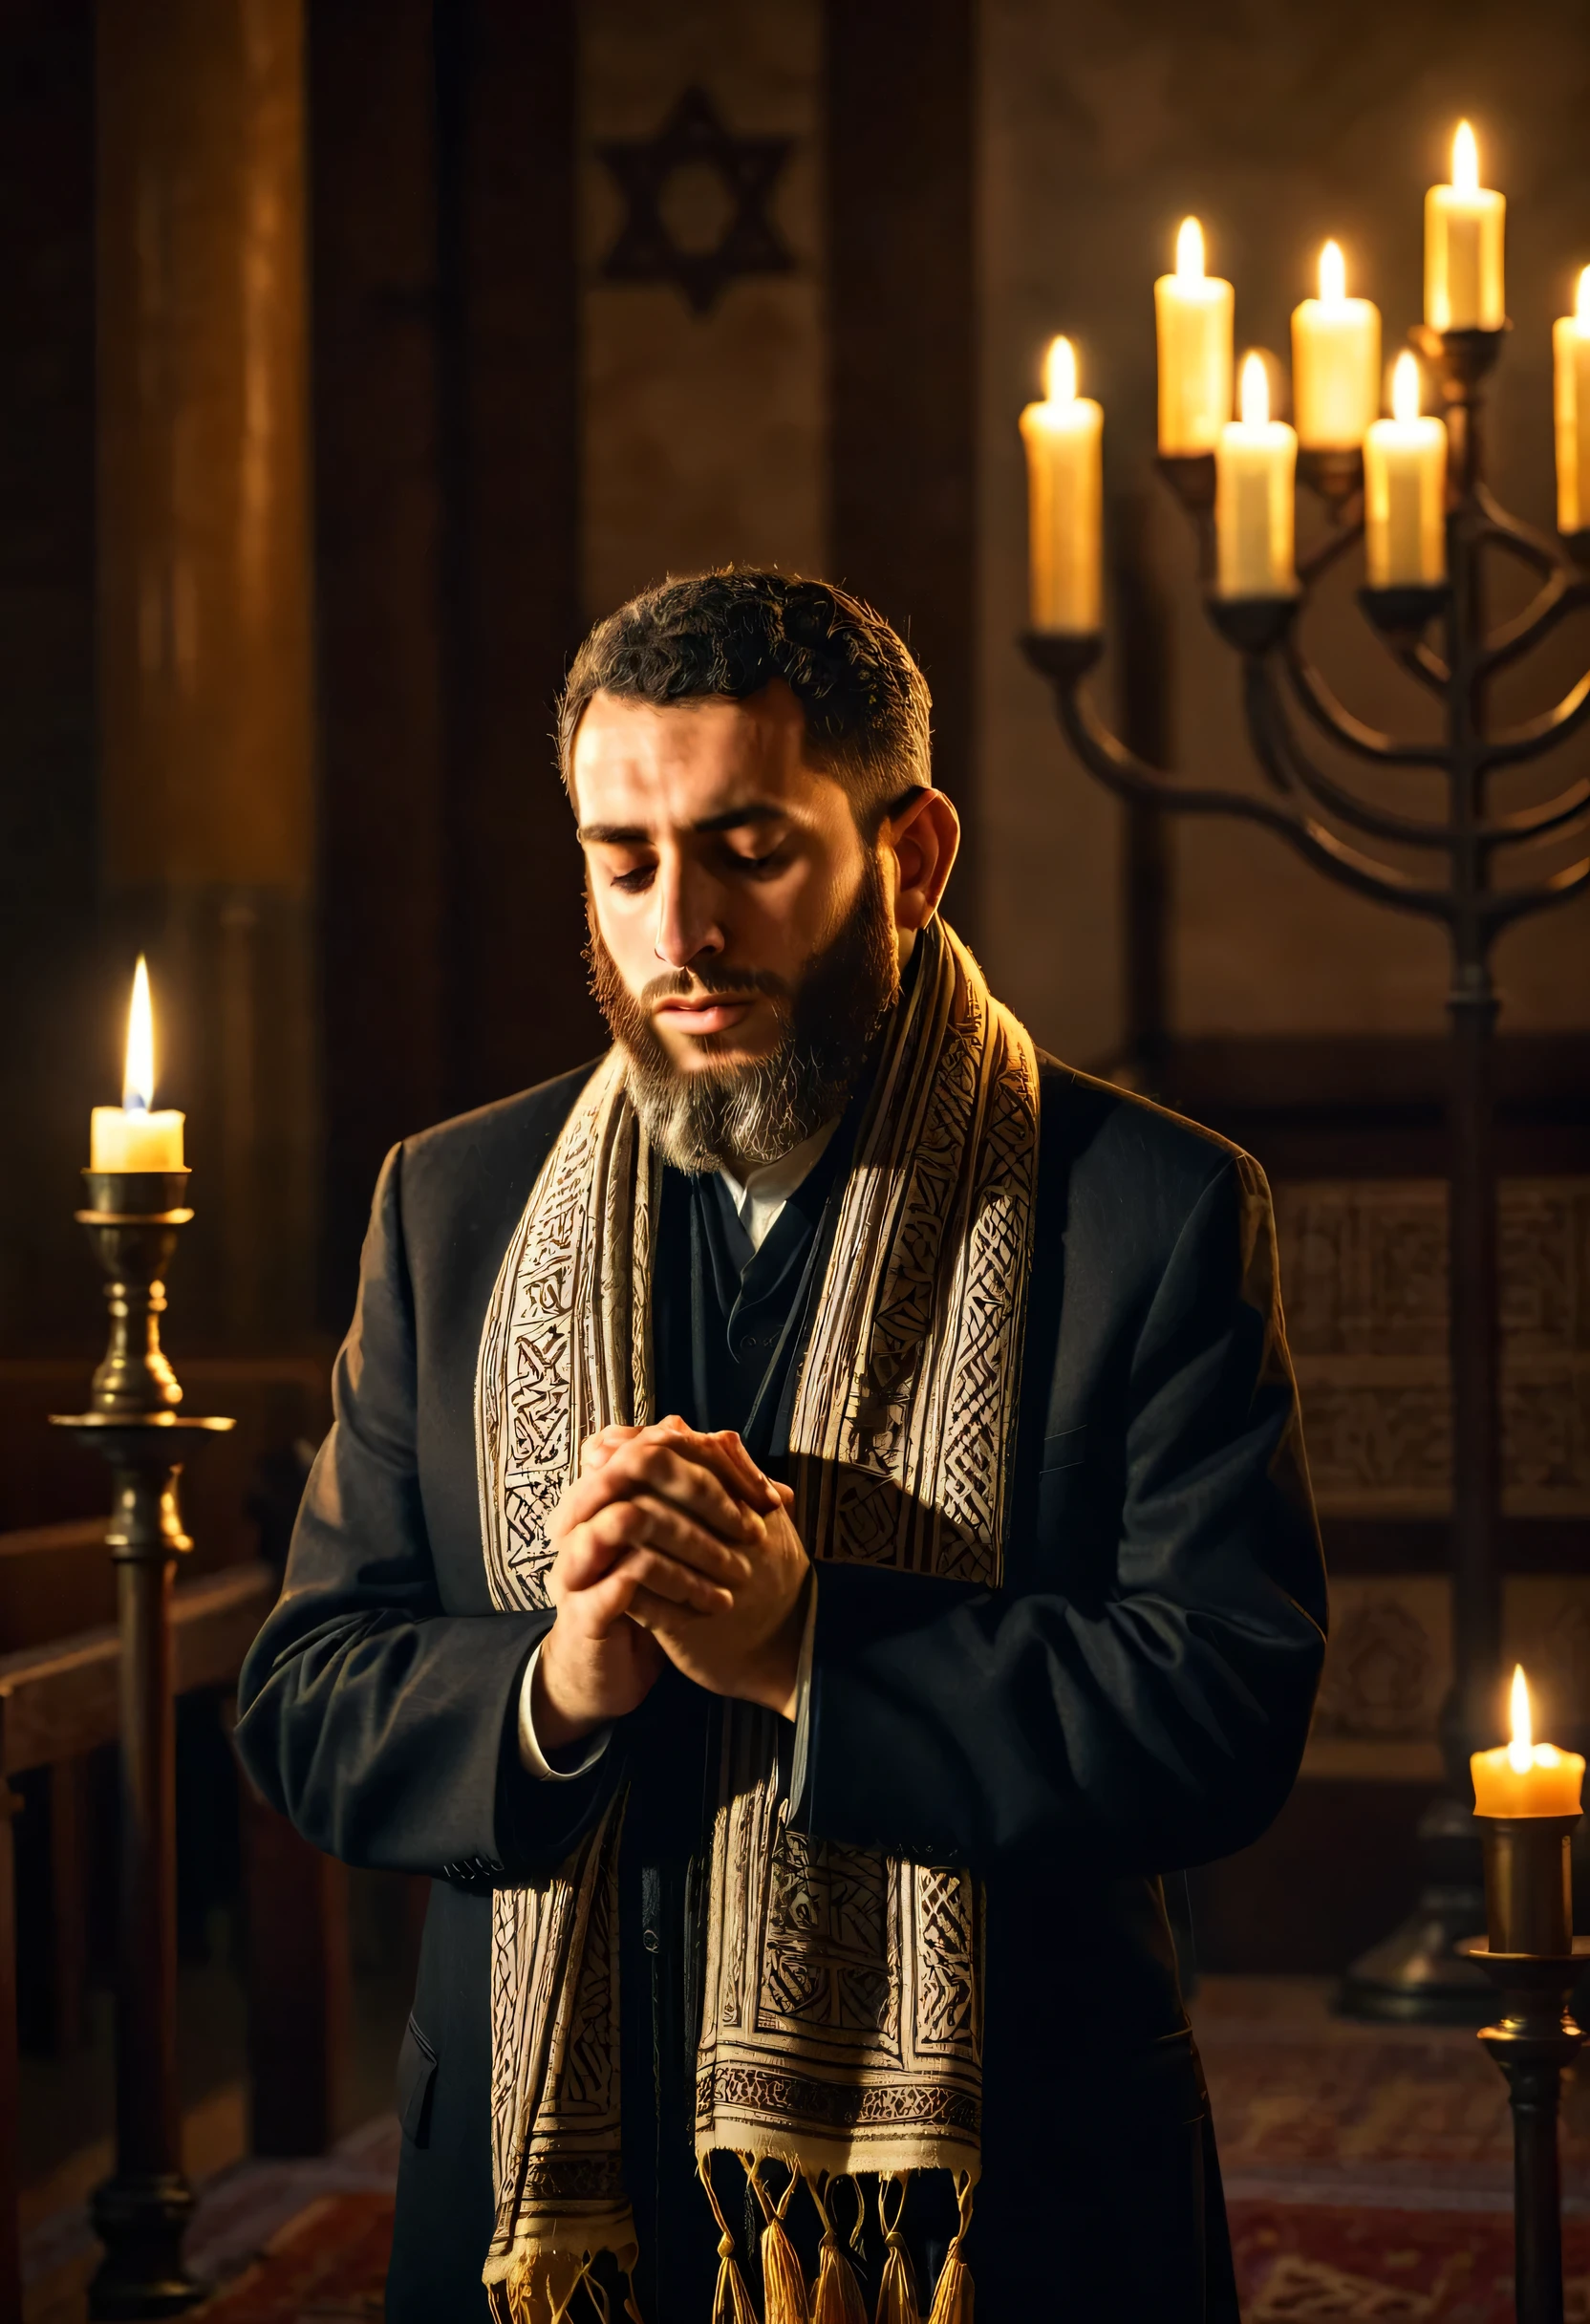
{"points": [[1134, 1698]]}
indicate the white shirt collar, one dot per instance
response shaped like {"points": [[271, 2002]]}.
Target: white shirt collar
{"points": [[762, 1193]]}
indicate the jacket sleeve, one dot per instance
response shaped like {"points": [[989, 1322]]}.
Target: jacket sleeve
{"points": [[385, 1729], [1155, 1722]]}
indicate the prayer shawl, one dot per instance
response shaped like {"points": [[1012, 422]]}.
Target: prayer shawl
{"points": [[842, 2024]]}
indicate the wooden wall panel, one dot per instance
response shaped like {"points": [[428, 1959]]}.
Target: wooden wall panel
{"points": [[446, 392], [379, 520], [518, 1005], [49, 1055], [903, 304]]}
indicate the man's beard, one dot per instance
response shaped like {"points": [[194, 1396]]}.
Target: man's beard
{"points": [[737, 1116]]}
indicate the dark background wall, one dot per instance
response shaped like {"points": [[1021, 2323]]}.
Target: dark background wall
{"points": [[53, 1061]]}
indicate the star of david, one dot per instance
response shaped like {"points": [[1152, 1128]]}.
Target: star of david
{"points": [[646, 252]]}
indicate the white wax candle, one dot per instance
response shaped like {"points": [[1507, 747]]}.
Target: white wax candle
{"points": [[1193, 315], [131, 1136], [1063, 438], [1335, 362], [1571, 371], [1464, 229], [1255, 467], [1404, 490], [127, 1138]]}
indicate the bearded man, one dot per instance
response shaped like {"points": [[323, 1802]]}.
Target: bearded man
{"points": [[815, 1526]]}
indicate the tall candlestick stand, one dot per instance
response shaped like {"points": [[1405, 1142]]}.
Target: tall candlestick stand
{"points": [[1418, 1972], [140, 2212], [1530, 1952]]}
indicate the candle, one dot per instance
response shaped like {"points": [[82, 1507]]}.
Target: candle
{"points": [[129, 1137], [1524, 1778], [1404, 490], [1063, 435], [1254, 463], [1463, 247], [1335, 362], [1193, 313], [1571, 365]]}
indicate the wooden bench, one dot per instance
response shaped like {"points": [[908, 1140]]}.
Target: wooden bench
{"points": [[58, 1703]]}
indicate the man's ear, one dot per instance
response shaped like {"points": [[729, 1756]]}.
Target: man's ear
{"points": [[924, 838]]}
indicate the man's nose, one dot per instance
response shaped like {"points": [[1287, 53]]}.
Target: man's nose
{"points": [[687, 929]]}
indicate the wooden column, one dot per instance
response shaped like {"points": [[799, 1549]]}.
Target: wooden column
{"points": [[445, 408], [377, 541], [206, 679], [518, 1007], [901, 159]]}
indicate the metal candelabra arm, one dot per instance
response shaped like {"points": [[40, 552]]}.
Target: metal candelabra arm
{"points": [[1419, 1973], [1066, 662]]}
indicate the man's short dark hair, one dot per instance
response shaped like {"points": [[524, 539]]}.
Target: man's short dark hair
{"points": [[731, 632]]}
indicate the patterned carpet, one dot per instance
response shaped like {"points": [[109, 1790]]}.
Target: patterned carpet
{"points": [[328, 2262], [1368, 2173], [1369, 2169], [1302, 2265]]}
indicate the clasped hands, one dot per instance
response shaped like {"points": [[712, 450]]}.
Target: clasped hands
{"points": [[671, 1545]]}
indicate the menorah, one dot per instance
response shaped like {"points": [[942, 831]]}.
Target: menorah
{"points": [[1441, 635]]}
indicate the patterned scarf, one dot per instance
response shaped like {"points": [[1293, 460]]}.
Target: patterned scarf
{"points": [[842, 2021]]}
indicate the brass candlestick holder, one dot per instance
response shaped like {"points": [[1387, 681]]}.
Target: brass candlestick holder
{"points": [[1530, 1952], [141, 2210]]}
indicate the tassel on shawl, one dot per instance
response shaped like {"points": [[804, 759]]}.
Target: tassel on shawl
{"points": [[783, 2287], [542, 2290], [898, 2291], [952, 2299], [731, 2302], [837, 2295]]}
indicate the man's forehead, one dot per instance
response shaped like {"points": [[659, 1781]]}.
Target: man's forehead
{"points": [[647, 765]]}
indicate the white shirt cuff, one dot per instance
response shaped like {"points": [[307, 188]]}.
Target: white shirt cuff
{"points": [[802, 1692], [534, 1759]]}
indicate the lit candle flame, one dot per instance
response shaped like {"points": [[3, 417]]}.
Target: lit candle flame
{"points": [[1581, 305], [1333, 275], [1254, 394], [1404, 387], [1060, 372], [138, 1082], [1189, 252], [1465, 161], [1520, 1751]]}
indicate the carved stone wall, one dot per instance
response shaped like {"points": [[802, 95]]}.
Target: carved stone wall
{"points": [[1390, 1663], [1363, 1275]]}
